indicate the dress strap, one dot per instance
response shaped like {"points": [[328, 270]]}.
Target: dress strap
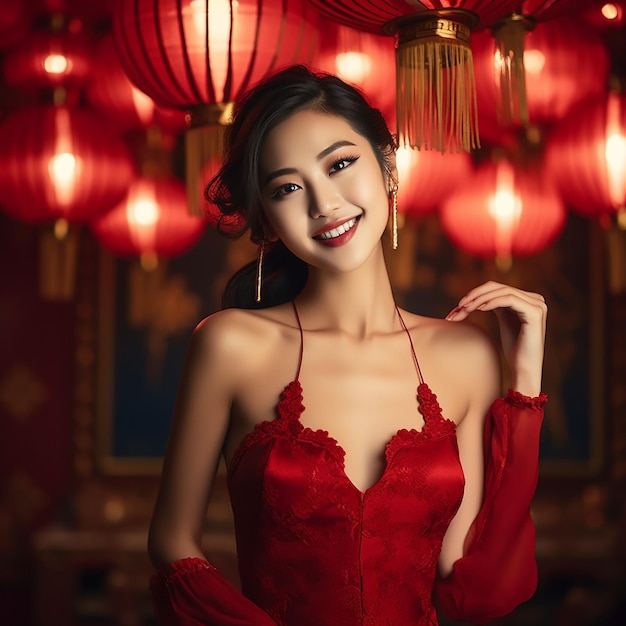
{"points": [[295, 310], [406, 330]]}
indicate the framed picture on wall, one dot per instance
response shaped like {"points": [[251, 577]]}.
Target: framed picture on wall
{"points": [[146, 319]]}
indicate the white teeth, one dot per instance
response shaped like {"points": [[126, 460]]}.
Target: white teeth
{"points": [[340, 230]]}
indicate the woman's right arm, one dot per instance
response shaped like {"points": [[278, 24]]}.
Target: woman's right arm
{"points": [[186, 589]]}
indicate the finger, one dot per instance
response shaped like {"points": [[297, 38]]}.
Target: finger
{"points": [[492, 287], [526, 305], [481, 298]]}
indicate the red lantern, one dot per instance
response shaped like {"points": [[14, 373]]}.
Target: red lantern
{"points": [[204, 54], [426, 178], [586, 155], [435, 94], [505, 211], [363, 59], [564, 62], [112, 91], [152, 221], [510, 35], [46, 60], [208, 51], [60, 162]]}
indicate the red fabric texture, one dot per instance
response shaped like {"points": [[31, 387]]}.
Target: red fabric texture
{"points": [[191, 592], [316, 551], [498, 570]]}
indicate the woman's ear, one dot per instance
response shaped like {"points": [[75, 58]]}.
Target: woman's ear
{"points": [[268, 232]]}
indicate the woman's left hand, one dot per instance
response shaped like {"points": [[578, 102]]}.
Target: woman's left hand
{"points": [[522, 319]]}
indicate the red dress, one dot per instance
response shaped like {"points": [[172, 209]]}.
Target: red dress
{"points": [[314, 550]]}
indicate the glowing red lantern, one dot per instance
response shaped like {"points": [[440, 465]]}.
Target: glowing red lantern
{"points": [[113, 92], [152, 221], [46, 60], [201, 55], [364, 59], [586, 155], [510, 35], [426, 178], [435, 94], [505, 211], [60, 162], [563, 64]]}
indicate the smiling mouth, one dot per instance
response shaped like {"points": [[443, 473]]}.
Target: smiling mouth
{"points": [[337, 232]]}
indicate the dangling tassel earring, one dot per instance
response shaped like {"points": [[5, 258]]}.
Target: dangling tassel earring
{"points": [[394, 216], [259, 270]]}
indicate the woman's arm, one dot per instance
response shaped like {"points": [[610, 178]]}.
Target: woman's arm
{"points": [[496, 569], [186, 588]]}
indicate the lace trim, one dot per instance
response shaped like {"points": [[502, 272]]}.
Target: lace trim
{"points": [[288, 425], [182, 567], [520, 400]]}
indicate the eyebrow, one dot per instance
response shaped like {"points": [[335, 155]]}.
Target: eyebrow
{"points": [[325, 152]]}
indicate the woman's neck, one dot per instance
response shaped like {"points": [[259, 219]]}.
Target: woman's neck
{"points": [[358, 303]]}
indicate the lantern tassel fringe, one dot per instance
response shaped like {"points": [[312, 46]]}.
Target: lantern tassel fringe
{"points": [[436, 96], [511, 99]]}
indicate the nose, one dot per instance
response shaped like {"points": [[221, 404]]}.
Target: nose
{"points": [[324, 198]]}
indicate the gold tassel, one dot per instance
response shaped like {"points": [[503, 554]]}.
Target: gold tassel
{"points": [[394, 217], [510, 74], [435, 86], [204, 142]]}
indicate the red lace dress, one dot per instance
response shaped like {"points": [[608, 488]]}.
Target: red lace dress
{"points": [[316, 551]]}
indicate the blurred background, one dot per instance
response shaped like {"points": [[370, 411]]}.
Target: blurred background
{"points": [[112, 117]]}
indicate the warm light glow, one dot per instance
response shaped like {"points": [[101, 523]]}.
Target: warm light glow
{"points": [[144, 105], [353, 66], [499, 62], [504, 207], [610, 11], [534, 60], [62, 168], [615, 152], [143, 211], [403, 161], [56, 64], [219, 19]]}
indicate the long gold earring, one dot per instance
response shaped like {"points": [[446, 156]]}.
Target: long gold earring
{"points": [[259, 270], [394, 217]]}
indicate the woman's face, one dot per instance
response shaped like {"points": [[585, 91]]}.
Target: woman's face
{"points": [[323, 190]]}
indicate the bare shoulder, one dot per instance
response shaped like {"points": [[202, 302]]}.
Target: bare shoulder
{"points": [[238, 339], [460, 359]]}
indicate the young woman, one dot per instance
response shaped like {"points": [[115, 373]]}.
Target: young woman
{"points": [[373, 505]]}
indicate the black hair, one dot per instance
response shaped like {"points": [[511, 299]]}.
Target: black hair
{"points": [[236, 191]]}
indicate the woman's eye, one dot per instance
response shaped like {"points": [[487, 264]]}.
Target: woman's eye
{"points": [[341, 164], [285, 189]]}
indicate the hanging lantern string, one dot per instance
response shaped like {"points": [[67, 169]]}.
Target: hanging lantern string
{"points": [[510, 73], [435, 86], [204, 140]]}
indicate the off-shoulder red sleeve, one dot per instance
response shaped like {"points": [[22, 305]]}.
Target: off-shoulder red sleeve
{"points": [[191, 592], [498, 570]]}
